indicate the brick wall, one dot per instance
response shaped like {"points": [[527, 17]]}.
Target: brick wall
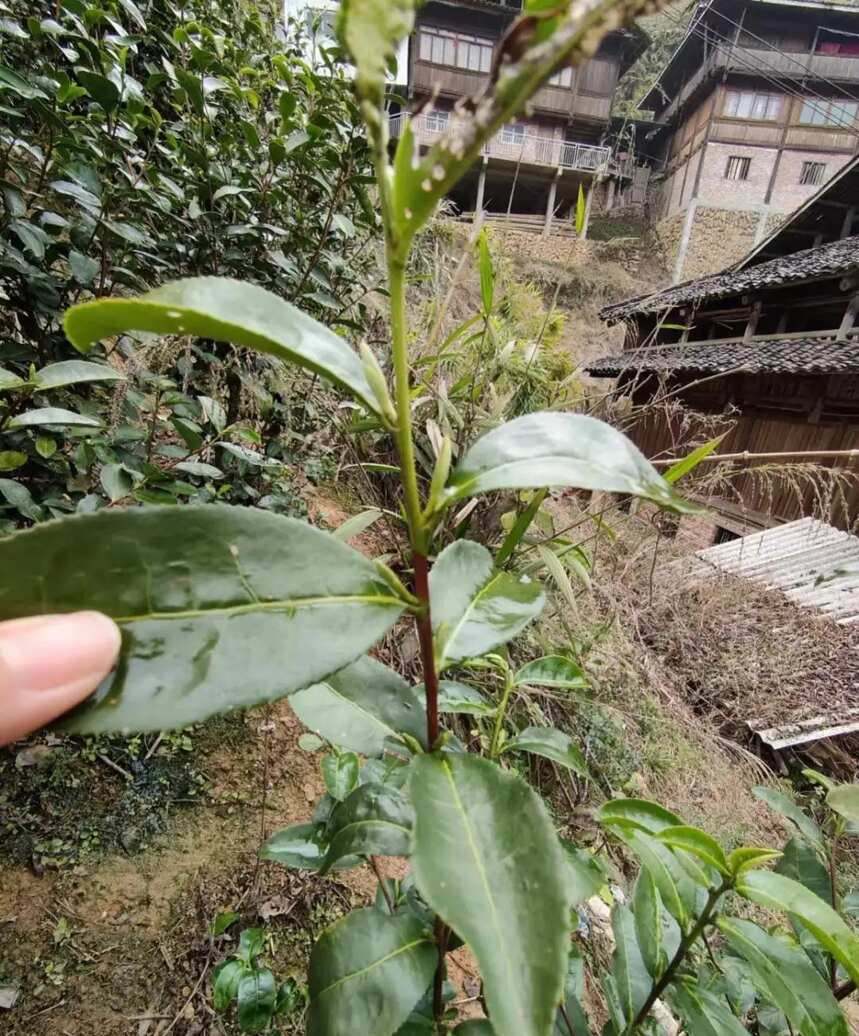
{"points": [[715, 190], [719, 238], [788, 192]]}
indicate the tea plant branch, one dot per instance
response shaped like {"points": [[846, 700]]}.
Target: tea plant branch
{"points": [[686, 944], [495, 744]]}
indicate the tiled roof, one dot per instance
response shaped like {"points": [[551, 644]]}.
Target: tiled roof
{"points": [[777, 356], [824, 261]]}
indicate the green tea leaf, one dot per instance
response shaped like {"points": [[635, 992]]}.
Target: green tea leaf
{"points": [[647, 907], [781, 893], [585, 877], [73, 372], [295, 846], [697, 842], [475, 608], [743, 858], [550, 744], [116, 481], [9, 381], [788, 808], [704, 1013], [99, 88], [228, 311], [787, 977], [571, 1019], [555, 449], [18, 496], [223, 921], [12, 459], [256, 998], [340, 773], [84, 269], [361, 706], [367, 972], [226, 983], [844, 799], [675, 886], [51, 416], [460, 698], [198, 468], [551, 671], [631, 977], [647, 815], [801, 860], [220, 607], [375, 820], [509, 866]]}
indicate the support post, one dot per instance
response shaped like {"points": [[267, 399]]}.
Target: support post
{"points": [[847, 225], [684, 241], [481, 187], [849, 318], [550, 204], [752, 323]]}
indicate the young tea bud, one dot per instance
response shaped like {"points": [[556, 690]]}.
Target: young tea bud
{"points": [[440, 473], [376, 380]]}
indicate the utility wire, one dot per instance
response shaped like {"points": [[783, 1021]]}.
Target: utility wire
{"points": [[785, 54], [804, 93], [779, 83]]}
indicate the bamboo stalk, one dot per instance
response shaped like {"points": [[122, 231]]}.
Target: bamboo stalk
{"points": [[747, 456]]}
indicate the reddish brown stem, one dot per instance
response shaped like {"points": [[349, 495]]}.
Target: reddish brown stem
{"points": [[441, 935], [424, 623]]}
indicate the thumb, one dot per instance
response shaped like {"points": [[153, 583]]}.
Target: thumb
{"points": [[48, 664]]}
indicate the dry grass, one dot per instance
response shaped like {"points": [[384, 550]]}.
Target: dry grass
{"points": [[739, 652]]}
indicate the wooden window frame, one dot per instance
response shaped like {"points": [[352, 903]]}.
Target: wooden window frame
{"points": [[740, 163], [453, 43]]}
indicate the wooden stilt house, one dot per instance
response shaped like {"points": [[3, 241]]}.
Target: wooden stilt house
{"points": [[772, 345]]}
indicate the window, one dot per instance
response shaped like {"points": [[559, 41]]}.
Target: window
{"points": [[816, 112], [437, 120], [563, 78], [442, 47], [737, 168], [749, 104], [812, 173], [513, 133]]}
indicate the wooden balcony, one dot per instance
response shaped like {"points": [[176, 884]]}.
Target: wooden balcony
{"points": [[528, 149], [549, 99], [765, 62]]}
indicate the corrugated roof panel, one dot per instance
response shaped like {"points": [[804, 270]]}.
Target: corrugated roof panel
{"points": [[811, 562]]}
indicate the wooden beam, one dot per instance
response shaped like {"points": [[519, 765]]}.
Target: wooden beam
{"points": [[849, 318], [752, 323], [847, 225]]}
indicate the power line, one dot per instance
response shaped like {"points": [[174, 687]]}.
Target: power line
{"points": [[779, 83], [784, 54], [804, 93]]}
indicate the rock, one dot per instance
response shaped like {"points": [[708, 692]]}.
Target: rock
{"points": [[9, 996]]}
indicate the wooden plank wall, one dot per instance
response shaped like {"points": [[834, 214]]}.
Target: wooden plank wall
{"points": [[774, 490]]}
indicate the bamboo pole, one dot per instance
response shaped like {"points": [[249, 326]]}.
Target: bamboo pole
{"points": [[747, 456]]}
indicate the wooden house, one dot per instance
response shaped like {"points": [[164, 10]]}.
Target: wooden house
{"points": [[772, 346]]}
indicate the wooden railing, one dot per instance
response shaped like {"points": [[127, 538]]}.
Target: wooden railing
{"points": [[764, 61], [528, 148]]}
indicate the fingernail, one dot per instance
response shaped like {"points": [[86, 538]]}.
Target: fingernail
{"points": [[48, 652]]}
